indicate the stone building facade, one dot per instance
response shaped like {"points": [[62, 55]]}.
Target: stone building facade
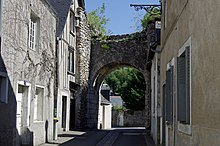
{"points": [[190, 72], [27, 64]]}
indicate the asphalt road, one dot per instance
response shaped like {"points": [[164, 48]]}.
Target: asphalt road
{"points": [[130, 137]]}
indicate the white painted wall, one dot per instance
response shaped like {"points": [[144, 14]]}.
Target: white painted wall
{"points": [[107, 116], [104, 115], [155, 109]]}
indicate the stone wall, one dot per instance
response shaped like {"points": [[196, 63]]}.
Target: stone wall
{"points": [[83, 48], [130, 50], [128, 118]]}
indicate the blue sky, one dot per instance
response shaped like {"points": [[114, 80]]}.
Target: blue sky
{"points": [[123, 18]]}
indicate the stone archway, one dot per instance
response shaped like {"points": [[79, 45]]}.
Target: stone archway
{"points": [[116, 52]]}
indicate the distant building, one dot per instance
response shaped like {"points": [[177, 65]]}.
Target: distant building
{"points": [[116, 101], [105, 108]]}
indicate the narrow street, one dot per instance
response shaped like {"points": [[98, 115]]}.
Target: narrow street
{"points": [[131, 136]]}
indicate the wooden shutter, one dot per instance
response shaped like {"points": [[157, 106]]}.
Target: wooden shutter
{"points": [[169, 96], [181, 89], [187, 54]]}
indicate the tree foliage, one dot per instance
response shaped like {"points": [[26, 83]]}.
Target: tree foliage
{"points": [[130, 85], [97, 21], [155, 13]]}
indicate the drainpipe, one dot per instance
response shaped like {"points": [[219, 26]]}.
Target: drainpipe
{"points": [[55, 119]]}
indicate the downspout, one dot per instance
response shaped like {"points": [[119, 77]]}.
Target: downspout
{"points": [[55, 119]]}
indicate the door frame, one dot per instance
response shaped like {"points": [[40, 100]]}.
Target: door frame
{"points": [[28, 85]]}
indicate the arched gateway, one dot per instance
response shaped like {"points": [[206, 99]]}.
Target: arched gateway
{"points": [[116, 52]]}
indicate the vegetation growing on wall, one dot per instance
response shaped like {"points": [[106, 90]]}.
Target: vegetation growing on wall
{"points": [[155, 13], [119, 108], [97, 21], [130, 85]]}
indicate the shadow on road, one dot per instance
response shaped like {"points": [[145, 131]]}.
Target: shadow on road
{"points": [[89, 138]]}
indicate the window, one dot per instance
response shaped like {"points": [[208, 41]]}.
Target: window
{"points": [[71, 61], [183, 86], [33, 31], [72, 22], [3, 88], [38, 104], [169, 96]]}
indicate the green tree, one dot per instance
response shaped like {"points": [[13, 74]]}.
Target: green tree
{"points": [[130, 85], [97, 21], [155, 13]]}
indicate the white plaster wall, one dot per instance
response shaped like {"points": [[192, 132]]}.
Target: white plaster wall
{"points": [[100, 113], [154, 99], [107, 117]]}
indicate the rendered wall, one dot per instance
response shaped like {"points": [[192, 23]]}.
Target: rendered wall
{"points": [[194, 19], [33, 67]]}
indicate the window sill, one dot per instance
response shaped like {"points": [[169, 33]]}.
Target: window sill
{"points": [[38, 122], [73, 33], [70, 73], [185, 128], [35, 50], [32, 49]]}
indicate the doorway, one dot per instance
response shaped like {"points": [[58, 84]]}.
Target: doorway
{"points": [[23, 108], [72, 112], [163, 115], [64, 112]]}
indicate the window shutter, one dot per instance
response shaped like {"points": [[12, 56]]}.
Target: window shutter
{"points": [[169, 96], [181, 89], [4, 89], [187, 84]]}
